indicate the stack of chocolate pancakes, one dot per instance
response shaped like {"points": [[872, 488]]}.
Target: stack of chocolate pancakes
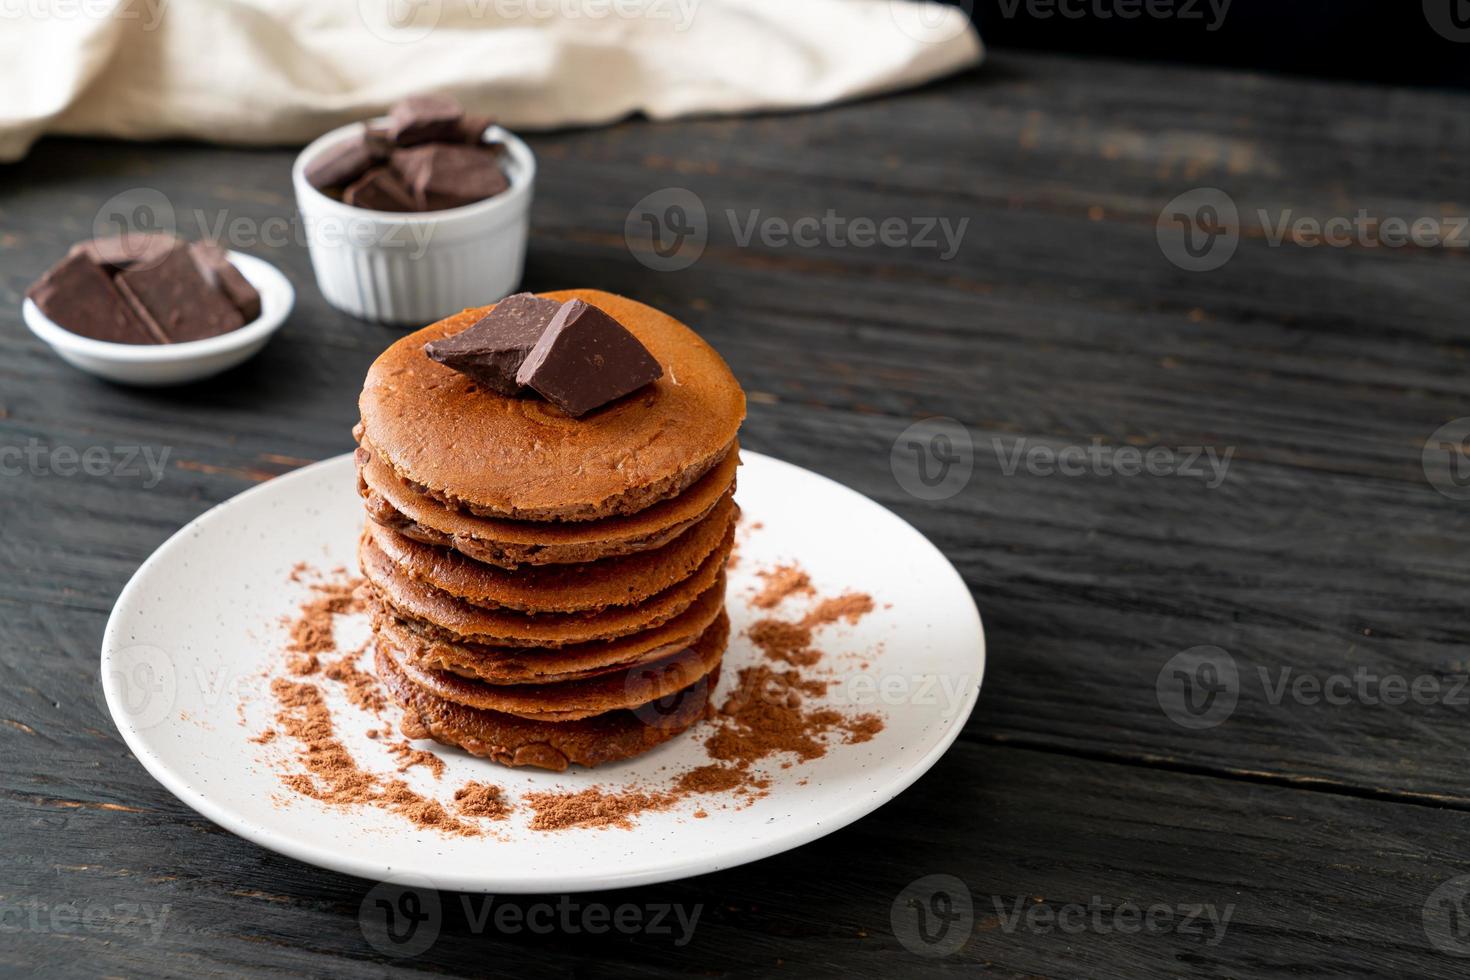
{"points": [[547, 589]]}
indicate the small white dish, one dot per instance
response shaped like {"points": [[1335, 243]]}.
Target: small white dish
{"points": [[416, 268], [156, 365], [196, 636]]}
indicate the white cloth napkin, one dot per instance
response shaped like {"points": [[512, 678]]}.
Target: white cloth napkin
{"points": [[284, 71]]}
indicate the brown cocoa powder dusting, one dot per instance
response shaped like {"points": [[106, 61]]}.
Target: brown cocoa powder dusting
{"points": [[851, 606], [363, 689], [710, 779], [780, 640], [764, 715], [482, 800], [408, 757], [594, 807], [311, 630], [781, 582], [333, 776], [303, 664], [862, 728]]}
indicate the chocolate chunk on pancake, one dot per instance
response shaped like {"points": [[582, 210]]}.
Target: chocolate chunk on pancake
{"points": [[525, 459]]}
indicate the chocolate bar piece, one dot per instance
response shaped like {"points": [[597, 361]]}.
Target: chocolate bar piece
{"points": [[586, 359], [422, 118], [117, 253], [174, 299], [492, 350], [214, 265], [342, 163], [448, 175], [78, 295], [380, 189], [472, 128]]}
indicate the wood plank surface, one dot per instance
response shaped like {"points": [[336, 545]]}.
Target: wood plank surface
{"points": [[1324, 551]]}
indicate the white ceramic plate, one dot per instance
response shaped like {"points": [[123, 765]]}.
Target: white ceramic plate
{"points": [[194, 636]]}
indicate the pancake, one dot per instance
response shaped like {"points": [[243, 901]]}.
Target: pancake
{"points": [[575, 700], [512, 741], [522, 665], [538, 589], [415, 600], [522, 458], [509, 544]]}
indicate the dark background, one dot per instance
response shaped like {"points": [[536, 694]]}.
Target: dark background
{"points": [[1368, 40]]}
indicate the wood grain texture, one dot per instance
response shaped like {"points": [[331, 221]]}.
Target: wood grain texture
{"points": [[1058, 322]]}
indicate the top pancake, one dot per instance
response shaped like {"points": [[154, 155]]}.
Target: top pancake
{"points": [[523, 458]]}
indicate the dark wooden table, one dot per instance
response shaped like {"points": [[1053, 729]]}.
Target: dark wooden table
{"points": [[1330, 827]]}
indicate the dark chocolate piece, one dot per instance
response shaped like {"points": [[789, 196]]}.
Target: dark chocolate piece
{"points": [[77, 295], [379, 142], [342, 163], [422, 118], [175, 298], [492, 350], [472, 128], [214, 265], [585, 359], [126, 251], [380, 189], [448, 175]]}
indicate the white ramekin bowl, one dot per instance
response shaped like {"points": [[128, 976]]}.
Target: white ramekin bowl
{"points": [[417, 268], [155, 365]]}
